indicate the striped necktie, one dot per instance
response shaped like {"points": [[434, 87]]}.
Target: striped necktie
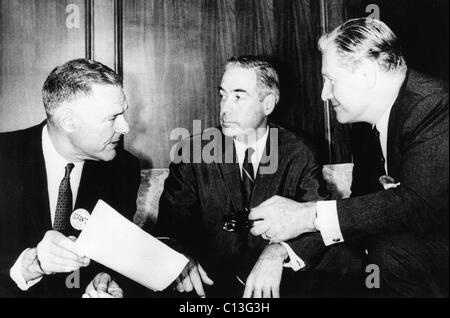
{"points": [[248, 178]]}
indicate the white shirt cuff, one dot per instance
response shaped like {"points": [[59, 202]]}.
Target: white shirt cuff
{"points": [[295, 262], [16, 274], [327, 222]]}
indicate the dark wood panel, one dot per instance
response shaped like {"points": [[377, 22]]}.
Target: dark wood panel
{"points": [[34, 38], [174, 52]]}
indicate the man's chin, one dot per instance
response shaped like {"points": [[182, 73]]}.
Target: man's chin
{"points": [[231, 131], [107, 155]]}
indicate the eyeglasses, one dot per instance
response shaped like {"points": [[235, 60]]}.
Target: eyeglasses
{"points": [[236, 222]]}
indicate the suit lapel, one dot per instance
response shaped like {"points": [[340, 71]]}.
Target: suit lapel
{"points": [[230, 173], [93, 180], [265, 182], [33, 178], [395, 125]]}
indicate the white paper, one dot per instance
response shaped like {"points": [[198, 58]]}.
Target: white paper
{"points": [[110, 239]]}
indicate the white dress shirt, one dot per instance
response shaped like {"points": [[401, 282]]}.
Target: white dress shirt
{"points": [[259, 145], [55, 166], [327, 220]]}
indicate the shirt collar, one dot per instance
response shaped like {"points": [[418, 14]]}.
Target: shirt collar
{"points": [[51, 155], [382, 124], [258, 145]]}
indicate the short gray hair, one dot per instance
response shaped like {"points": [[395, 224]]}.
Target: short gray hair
{"points": [[75, 78], [266, 75], [365, 38]]}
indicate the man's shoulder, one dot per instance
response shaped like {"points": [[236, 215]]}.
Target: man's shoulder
{"points": [[292, 142], [422, 85], [14, 144], [20, 134], [424, 106], [125, 160]]}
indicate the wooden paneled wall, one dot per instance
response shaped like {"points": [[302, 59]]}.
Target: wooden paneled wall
{"points": [[171, 54], [34, 38], [174, 52]]}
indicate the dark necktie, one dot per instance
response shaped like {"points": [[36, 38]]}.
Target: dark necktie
{"points": [[248, 179], [378, 157], [64, 205]]}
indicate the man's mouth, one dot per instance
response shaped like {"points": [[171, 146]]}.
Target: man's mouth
{"points": [[335, 105], [228, 123]]}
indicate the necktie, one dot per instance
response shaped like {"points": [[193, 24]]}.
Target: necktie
{"points": [[378, 158], [248, 179], [64, 204]]}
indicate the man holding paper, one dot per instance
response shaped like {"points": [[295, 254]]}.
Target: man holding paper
{"points": [[69, 161]]}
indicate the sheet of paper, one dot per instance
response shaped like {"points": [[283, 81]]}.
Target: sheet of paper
{"points": [[110, 239]]}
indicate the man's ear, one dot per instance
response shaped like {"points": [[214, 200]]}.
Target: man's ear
{"points": [[67, 119], [369, 72], [269, 103]]}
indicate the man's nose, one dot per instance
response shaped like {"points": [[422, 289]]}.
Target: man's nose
{"points": [[122, 126], [225, 106], [326, 92]]}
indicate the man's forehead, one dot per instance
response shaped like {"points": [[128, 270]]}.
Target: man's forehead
{"points": [[237, 78]]}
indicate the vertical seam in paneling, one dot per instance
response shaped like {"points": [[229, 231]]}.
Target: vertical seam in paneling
{"points": [[326, 106], [118, 37], [89, 13]]}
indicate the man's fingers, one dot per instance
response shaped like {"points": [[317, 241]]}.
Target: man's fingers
{"points": [[248, 290], [257, 292], [204, 276], [259, 227], [179, 286], [257, 213], [68, 245], [187, 285], [276, 292], [101, 284], [267, 291], [92, 293], [57, 265], [115, 290], [197, 283], [64, 254]]}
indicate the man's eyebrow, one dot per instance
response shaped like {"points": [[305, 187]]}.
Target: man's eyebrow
{"points": [[240, 90], [237, 90], [120, 113]]}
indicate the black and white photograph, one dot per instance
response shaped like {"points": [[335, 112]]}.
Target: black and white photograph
{"points": [[212, 152]]}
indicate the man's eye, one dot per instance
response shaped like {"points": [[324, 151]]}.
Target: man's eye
{"points": [[237, 97]]}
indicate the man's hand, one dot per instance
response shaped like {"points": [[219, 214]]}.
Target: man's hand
{"points": [[30, 267], [281, 219], [265, 277], [192, 277], [103, 286], [56, 254]]}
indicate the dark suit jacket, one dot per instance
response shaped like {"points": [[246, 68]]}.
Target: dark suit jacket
{"points": [[24, 203], [196, 196], [417, 157]]}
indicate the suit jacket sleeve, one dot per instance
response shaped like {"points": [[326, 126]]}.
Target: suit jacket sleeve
{"points": [[420, 204], [310, 187], [179, 209]]}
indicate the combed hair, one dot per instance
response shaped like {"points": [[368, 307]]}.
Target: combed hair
{"points": [[73, 79], [365, 38], [266, 75]]}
